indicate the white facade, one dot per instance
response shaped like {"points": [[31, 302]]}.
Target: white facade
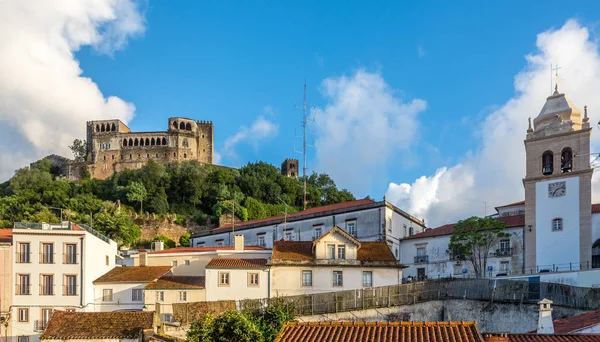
{"points": [[237, 284], [119, 296], [53, 268]]}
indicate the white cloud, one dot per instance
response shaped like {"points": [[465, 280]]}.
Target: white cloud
{"points": [[261, 129], [45, 99], [494, 172], [421, 51], [364, 124]]}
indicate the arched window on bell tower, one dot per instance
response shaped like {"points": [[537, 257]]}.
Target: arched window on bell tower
{"points": [[566, 160], [547, 163]]}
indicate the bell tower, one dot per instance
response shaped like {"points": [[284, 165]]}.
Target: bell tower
{"points": [[558, 188]]}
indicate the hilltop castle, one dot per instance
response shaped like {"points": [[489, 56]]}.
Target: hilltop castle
{"points": [[112, 147]]}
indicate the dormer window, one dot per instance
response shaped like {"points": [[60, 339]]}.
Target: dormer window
{"points": [[341, 252], [566, 160], [331, 252], [547, 163]]}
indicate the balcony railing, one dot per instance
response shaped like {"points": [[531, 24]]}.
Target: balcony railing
{"points": [[70, 258], [39, 325], [70, 290], [421, 259], [23, 289], [46, 290], [503, 251], [46, 258], [23, 258]]}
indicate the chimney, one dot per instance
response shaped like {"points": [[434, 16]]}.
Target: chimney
{"points": [[239, 242], [545, 325], [502, 337], [143, 258], [158, 245]]}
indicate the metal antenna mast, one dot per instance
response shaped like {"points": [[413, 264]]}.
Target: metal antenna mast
{"points": [[304, 124]]}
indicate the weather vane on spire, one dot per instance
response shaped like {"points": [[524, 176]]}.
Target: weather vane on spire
{"points": [[554, 70]]}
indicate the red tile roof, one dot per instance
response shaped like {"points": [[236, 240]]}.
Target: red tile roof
{"points": [[97, 325], [178, 282], [6, 235], [310, 211], [236, 263], [511, 204], [448, 229], [577, 322], [133, 274], [206, 249], [303, 250], [553, 338], [596, 208], [380, 331]]}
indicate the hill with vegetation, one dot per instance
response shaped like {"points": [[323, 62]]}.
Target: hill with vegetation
{"points": [[186, 190]]}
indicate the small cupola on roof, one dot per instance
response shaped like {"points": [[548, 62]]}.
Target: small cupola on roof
{"points": [[558, 115]]}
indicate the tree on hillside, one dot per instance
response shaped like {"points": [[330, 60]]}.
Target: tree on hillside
{"points": [[79, 150], [136, 192], [474, 238], [184, 240], [117, 226]]}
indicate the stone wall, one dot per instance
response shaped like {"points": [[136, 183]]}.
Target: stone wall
{"points": [[152, 226]]}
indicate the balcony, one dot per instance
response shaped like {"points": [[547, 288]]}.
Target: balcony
{"points": [[421, 259], [70, 290], [39, 325], [506, 251], [23, 258]]}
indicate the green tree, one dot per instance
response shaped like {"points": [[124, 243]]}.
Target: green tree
{"points": [[79, 150], [474, 238], [117, 226], [136, 192], [231, 326], [184, 240], [169, 243]]}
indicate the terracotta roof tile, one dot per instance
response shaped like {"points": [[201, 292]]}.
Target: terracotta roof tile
{"points": [[380, 331], [236, 263], [303, 250], [336, 206], [375, 251], [206, 249], [553, 338], [133, 274], [447, 229], [97, 325], [577, 322], [178, 282], [596, 208], [6, 235]]}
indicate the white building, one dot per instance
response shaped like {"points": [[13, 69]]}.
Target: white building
{"points": [[6, 281], [365, 220], [53, 268], [335, 261], [169, 289], [122, 288], [235, 278]]}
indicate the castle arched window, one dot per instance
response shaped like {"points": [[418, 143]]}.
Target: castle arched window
{"points": [[104, 157], [202, 135], [147, 142], [97, 128], [182, 126], [102, 128], [124, 142], [566, 159], [185, 143], [188, 127], [175, 124], [547, 163], [136, 142], [130, 142], [130, 156], [158, 141], [174, 154], [148, 155], [557, 224], [101, 146], [113, 157], [107, 145], [157, 155], [184, 155], [113, 127], [152, 142], [164, 141], [142, 142]]}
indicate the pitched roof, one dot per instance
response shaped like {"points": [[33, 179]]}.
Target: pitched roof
{"points": [[97, 325], [206, 249], [511, 204], [577, 322], [236, 263], [553, 338], [310, 211], [380, 331], [133, 274], [338, 230], [6, 235], [448, 229], [178, 282], [303, 250]]}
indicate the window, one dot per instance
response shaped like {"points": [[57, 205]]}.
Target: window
{"points": [[421, 255], [160, 296], [306, 278], [174, 263], [71, 285], [23, 338], [421, 251], [547, 163], [330, 252], [187, 262], [24, 315], [137, 295], [557, 224], [318, 232], [107, 260], [504, 246], [338, 279], [261, 240], [341, 252], [47, 285], [184, 155], [288, 235], [46, 314], [107, 295], [252, 279], [504, 266], [351, 228], [411, 231], [223, 278], [24, 253], [566, 160], [183, 296], [70, 253], [199, 244], [47, 256], [219, 243], [367, 278], [24, 285]]}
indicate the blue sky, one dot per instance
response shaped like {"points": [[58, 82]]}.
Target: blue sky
{"points": [[444, 69]]}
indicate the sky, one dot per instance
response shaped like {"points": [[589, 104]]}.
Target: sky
{"points": [[424, 103]]}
